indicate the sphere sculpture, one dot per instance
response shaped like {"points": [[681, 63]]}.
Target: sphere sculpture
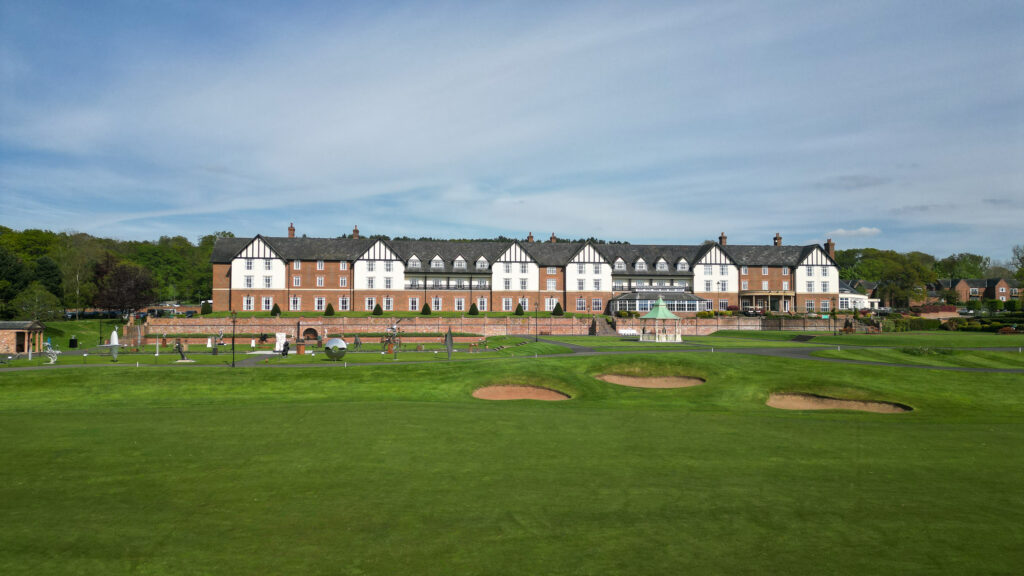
{"points": [[335, 348]]}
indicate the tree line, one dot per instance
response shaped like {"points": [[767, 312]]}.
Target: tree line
{"points": [[43, 273], [902, 277]]}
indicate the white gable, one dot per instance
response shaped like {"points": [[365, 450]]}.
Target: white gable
{"points": [[588, 255], [258, 248], [379, 251], [515, 253]]}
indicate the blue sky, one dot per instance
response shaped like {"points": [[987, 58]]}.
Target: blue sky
{"points": [[887, 124]]}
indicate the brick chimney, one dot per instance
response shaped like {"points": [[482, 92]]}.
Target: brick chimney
{"points": [[529, 238], [355, 232], [778, 239], [553, 239], [721, 239], [830, 247], [291, 230]]}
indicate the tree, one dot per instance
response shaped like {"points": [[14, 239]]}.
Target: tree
{"points": [[558, 310], [993, 305], [377, 310], [1011, 305], [951, 297], [206, 308], [473, 310], [1018, 260], [425, 311], [329, 311], [963, 265], [48, 273], [36, 303], [903, 279], [276, 310], [519, 309], [13, 278], [126, 288], [77, 254]]}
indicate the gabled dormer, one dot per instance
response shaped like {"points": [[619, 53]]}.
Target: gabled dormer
{"points": [[481, 263], [459, 265], [620, 265], [414, 263], [661, 265], [682, 265], [437, 263], [640, 265]]}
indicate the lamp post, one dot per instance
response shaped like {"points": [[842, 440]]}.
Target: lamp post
{"points": [[234, 320], [536, 321]]}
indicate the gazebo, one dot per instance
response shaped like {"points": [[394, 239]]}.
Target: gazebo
{"points": [[666, 324], [19, 337]]}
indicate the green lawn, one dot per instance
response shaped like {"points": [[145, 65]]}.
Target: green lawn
{"points": [[930, 357], [892, 339], [398, 470]]}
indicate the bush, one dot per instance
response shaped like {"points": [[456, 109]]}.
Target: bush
{"points": [[275, 311], [622, 314], [994, 305], [377, 310], [329, 311], [473, 310], [732, 308], [206, 308], [706, 314], [558, 310], [519, 310], [426, 310], [1011, 305], [973, 305]]}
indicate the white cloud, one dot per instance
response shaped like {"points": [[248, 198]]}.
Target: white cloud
{"points": [[862, 232]]}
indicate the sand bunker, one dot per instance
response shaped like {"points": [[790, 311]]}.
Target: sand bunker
{"points": [[518, 393], [812, 402], [655, 382]]}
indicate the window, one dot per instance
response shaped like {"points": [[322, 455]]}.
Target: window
{"points": [[481, 264], [707, 285], [552, 285], [247, 303], [508, 268], [743, 284], [437, 264], [460, 264], [343, 303], [618, 286], [297, 265], [597, 284], [318, 303], [387, 283], [810, 270], [824, 286], [1002, 289], [581, 284], [506, 304], [369, 283], [723, 286], [508, 283], [764, 284], [723, 269], [620, 266], [581, 304], [389, 266], [810, 286], [319, 264], [481, 304], [723, 304], [343, 266], [764, 270], [552, 270], [248, 281], [414, 304], [597, 268], [267, 303], [248, 263], [549, 304], [343, 282], [437, 283], [437, 303], [825, 305], [785, 284], [596, 305], [743, 270], [296, 281], [809, 306], [824, 271], [522, 283], [974, 291], [785, 270], [662, 266], [682, 266], [371, 266], [320, 281], [294, 303], [581, 268], [268, 281], [389, 303], [460, 304], [523, 268], [640, 282], [525, 303], [641, 266], [267, 264], [414, 263], [370, 303], [844, 303], [707, 269]]}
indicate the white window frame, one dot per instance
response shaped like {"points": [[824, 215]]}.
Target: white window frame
{"points": [[319, 303], [248, 263], [268, 281], [414, 304], [371, 266], [743, 285], [785, 284], [826, 306], [389, 303], [707, 285], [369, 283], [525, 303], [764, 284], [743, 270], [389, 266], [620, 266], [460, 304], [640, 266], [297, 265], [481, 304], [552, 270], [248, 281], [596, 305], [319, 264], [343, 265], [552, 285], [506, 305], [524, 268], [810, 286], [387, 283], [267, 303], [508, 267], [522, 283], [785, 270], [319, 281], [549, 304], [597, 284], [295, 303], [296, 281], [682, 266], [764, 270], [661, 266], [343, 282], [343, 304], [508, 283], [370, 303], [437, 304], [268, 265], [809, 306], [824, 286], [723, 304], [248, 303], [581, 304], [723, 269]]}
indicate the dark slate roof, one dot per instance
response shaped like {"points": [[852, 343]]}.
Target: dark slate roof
{"points": [[552, 253], [976, 282], [21, 325], [425, 250], [757, 255], [331, 249], [651, 253], [845, 288]]}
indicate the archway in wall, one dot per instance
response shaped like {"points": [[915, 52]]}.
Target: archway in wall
{"points": [[310, 334]]}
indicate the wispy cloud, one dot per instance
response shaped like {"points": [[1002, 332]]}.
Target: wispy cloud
{"points": [[857, 232]]}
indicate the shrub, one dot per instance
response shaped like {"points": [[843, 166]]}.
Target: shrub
{"points": [[426, 310], [558, 310], [329, 311], [974, 305], [994, 305], [732, 308], [473, 310], [1011, 305], [622, 314], [377, 310], [275, 311], [206, 308], [706, 314], [519, 310]]}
